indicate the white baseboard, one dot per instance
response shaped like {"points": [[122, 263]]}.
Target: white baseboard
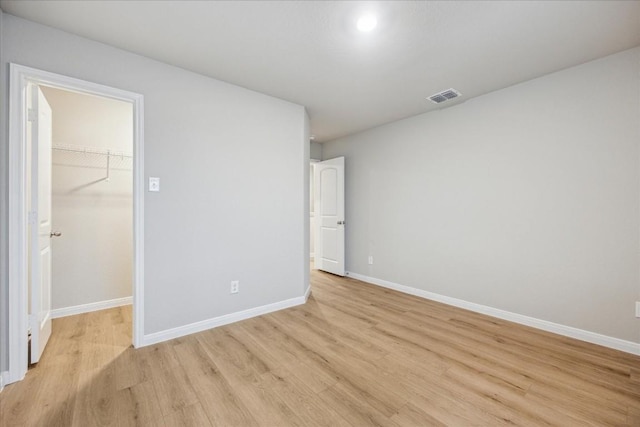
{"points": [[307, 293], [203, 325], [567, 331], [4, 379], [94, 306]]}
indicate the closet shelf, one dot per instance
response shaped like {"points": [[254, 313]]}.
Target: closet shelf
{"points": [[109, 155], [91, 150]]}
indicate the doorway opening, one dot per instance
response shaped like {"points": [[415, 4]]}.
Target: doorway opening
{"points": [[90, 193], [68, 171], [329, 216]]}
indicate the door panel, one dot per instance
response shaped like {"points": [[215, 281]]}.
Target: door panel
{"points": [[330, 244], [328, 181], [329, 206], [40, 222]]}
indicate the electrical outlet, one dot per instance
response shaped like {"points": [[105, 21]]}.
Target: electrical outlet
{"points": [[154, 183], [235, 286], [637, 308], [370, 259]]}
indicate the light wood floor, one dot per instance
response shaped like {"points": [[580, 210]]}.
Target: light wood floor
{"points": [[354, 355]]}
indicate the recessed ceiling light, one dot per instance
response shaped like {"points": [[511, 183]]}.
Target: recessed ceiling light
{"points": [[367, 23]]}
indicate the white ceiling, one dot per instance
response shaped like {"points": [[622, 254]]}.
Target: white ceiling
{"points": [[310, 53]]}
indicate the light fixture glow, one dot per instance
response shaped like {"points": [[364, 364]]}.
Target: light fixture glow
{"points": [[367, 23]]}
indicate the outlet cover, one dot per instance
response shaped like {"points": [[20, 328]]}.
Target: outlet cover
{"points": [[637, 308], [370, 259], [154, 183], [235, 286]]}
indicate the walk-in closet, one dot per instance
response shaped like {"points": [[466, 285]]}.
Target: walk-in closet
{"points": [[92, 207]]}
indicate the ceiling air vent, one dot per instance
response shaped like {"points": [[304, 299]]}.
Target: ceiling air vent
{"points": [[445, 95]]}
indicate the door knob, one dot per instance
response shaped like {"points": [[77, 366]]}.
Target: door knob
{"points": [[55, 234]]}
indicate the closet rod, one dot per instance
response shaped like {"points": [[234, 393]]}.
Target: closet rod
{"points": [[89, 150]]}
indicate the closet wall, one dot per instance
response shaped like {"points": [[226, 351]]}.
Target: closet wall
{"points": [[92, 201]]}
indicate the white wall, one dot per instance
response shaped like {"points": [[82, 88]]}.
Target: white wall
{"points": [[526, 199], [316, 150], [233, 165], [92, 260]]}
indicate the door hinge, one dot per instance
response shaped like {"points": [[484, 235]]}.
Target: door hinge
{"points": [[32, 116]]}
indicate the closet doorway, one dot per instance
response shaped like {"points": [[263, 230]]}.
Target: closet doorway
{"points": [[86, 259], [91, 202], [76, 206]]}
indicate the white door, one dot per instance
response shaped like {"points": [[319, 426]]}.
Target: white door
{"points": [[329, 207], [40, 223]]}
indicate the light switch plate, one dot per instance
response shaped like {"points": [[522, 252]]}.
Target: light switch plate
{"points": [[154, 183]]}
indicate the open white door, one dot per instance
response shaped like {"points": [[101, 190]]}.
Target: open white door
{"points": [[40, 119], [329, 207]]}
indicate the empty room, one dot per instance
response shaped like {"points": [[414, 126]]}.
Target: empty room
{"points": [[336, 213]]}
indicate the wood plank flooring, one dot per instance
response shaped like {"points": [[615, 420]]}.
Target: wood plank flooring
{"points": [[354, 355]]}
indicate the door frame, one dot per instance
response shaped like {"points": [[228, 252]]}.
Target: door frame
{"points": [[19, 77], [312, 196], [336, 162]]}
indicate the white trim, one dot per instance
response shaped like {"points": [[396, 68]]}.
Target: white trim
{"points": [[19, 76], [92, 306], [567, 331], [138, 219], [203, 325], [4, 379], [17, 229], [307, 294]]}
